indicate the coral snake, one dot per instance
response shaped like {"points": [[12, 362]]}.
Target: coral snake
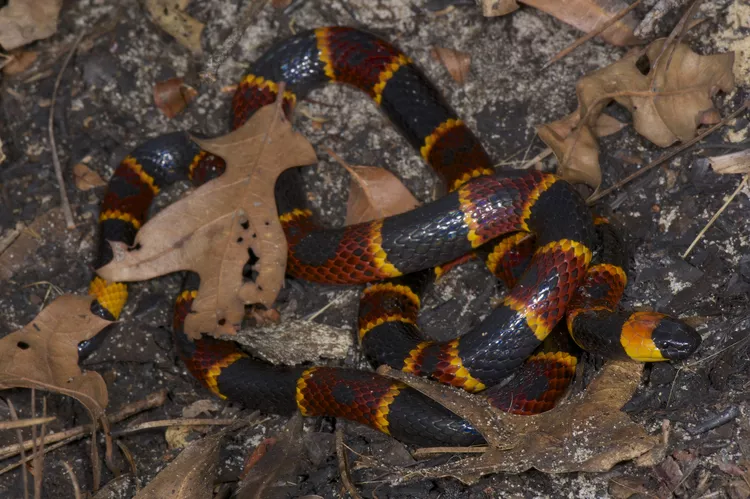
{"points": [[535, 229]]}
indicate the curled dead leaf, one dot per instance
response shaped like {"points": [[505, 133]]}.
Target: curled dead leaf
{"points": [[212, 230], [736, 162], [44, 353], [456, 62], [85, 178], [549, 442], [23, 21], [170, 16], [20, 62], [172, 96], [575, 147]]}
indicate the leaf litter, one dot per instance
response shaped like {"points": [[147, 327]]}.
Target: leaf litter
{"points": [[212, 230], [667, 102]]}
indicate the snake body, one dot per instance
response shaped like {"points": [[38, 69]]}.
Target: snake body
{"points": [[552, 275]]}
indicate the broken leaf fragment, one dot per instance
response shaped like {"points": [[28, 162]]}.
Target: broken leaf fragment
{"points": [[44, 353], [171, 17], [172, 96], [456, 62], [191, 475], [374, 193], [217, 228], [24, 21]]}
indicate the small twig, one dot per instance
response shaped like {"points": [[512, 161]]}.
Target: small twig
{"points": [[217, 59], [535, 159], [149, 425], [23, 423], [428, 451], [73, 479], [24, 474], [131, 461], [67, 212], [716, 215], [588, 36], [715, 421], [154, 400], [344, 472], [670, 155], [38, 456]]}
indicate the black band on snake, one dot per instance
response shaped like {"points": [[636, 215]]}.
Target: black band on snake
{"points": [[536, 230]]}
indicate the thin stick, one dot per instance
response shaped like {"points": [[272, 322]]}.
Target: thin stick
{"points": [[149, 425], [716, 215], [155, 399], [23, 423], [39, 454], [588, 36], [15, 465], [73, 480], [535, 159], [67, 212], [218, 58], [670, 155], [427, 451], [344, 472], [23, 453]]}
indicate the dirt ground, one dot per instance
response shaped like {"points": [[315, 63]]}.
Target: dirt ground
{"points": [[105, 108]]}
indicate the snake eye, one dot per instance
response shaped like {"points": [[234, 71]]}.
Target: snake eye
{"points": [[675, 339]]}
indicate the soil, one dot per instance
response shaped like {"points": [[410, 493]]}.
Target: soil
{"points": [[105, 108]]}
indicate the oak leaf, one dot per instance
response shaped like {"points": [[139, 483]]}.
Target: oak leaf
{"points": [[668, 104], [213, 230], [44, 353], [668, 101], [588, 432]]}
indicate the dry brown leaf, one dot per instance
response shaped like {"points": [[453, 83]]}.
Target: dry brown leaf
{"points": [[588, 15], [44, 353], [172, 96], [550, 442], [736, 162], [670, 111], [23, 21], [277, 462], [494, 8], [191, 475], [575, 147], [681, 100], [607, 125], [374, 193], [85, 178], [456, 62], [170, 16], [212, 230], [20, 62]]}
